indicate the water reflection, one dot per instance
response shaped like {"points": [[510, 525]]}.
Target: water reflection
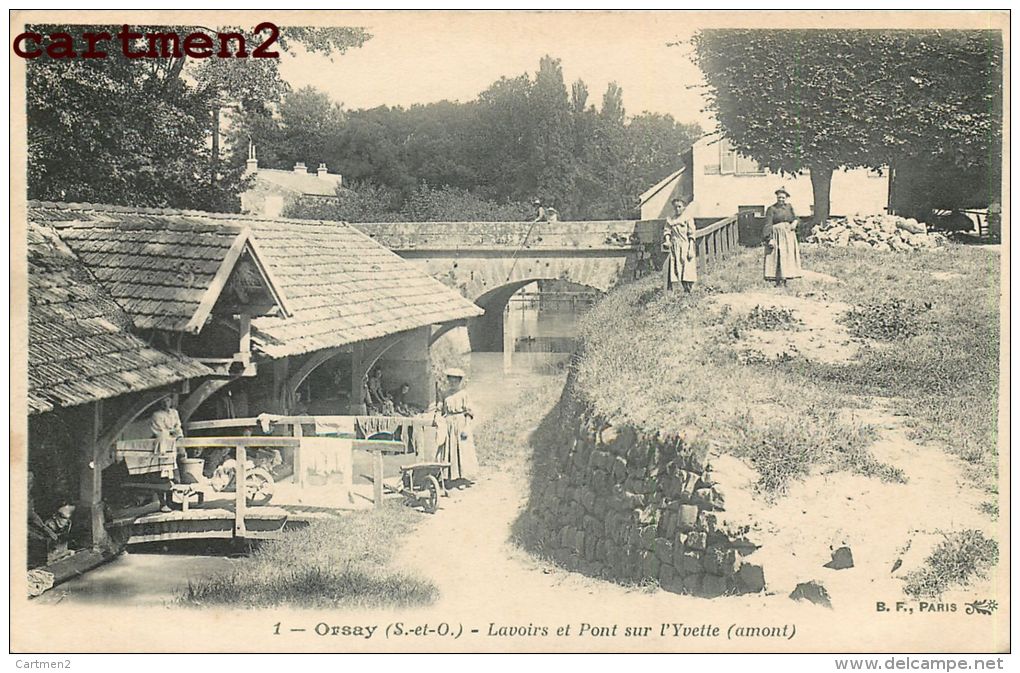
{"points": [[541, 327]]}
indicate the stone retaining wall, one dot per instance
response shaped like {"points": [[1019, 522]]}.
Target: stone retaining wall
{"points": [[631, 506]]}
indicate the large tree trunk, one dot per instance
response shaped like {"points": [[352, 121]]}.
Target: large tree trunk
{"points": [[821, 184]]}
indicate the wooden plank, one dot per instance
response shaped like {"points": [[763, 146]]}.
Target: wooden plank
{"points": [[379, 445], [377, 479], [91, 477], [212, 293], [181, 535], [245, 442], [299, 464], [78, 563], [240, 501]]}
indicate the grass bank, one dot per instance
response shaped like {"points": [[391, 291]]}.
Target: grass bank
{"points": [[929, 328], [332, 563]]}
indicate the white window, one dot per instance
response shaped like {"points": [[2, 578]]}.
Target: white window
{"points": [[731, 163]]}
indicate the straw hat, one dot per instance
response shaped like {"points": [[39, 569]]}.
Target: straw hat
{"points": [[454, 373]]}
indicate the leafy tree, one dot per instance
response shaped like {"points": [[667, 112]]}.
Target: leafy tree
{"points": [[827, 99], [449, 204], [138, 131], [549, 105]]}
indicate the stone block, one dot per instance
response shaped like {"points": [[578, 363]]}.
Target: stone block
{"points": [[752, 578], [690, 562], [647, 536], [713, 586], [707, 522], [667, 574], [695, 456], [692, 584], [647, 516], [712, 560], [639, 454], [696, 540], [619, 470], [705, 499], [650, 565], [668, 524], [689, 482], [842, 558], [602, 550], [635, 500], [608, 435], [813, 592], [688, 518], [601, 459], [731, 563], [664, 549], [588, 500]]}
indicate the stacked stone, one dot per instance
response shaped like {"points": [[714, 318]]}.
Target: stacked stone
{"points": [[637, 507], [877, 232]]}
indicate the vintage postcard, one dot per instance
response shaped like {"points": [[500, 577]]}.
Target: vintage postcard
{"points": [[510, 331]]}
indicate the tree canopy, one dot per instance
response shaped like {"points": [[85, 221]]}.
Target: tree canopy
{"points": [[523, 137], [138, 131], [828, 99]]}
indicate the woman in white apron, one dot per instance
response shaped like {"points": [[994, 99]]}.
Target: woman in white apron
{"points": [[459, 447], [678, 240]]}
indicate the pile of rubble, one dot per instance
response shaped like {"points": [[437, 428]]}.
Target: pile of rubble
{"points": [[879, 232]]}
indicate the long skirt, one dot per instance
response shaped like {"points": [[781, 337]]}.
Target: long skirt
{"points": [[459, 449], [678, 267], [783, 261]]}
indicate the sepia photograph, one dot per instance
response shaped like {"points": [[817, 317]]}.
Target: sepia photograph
{"points": [[510, 331]]}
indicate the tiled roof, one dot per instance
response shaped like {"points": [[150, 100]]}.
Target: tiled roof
{"points": [[302, 183], [341, 286], [345, 287], [158, 269], [79, 349]]}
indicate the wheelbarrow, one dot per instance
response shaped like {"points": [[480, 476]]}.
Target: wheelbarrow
{"points": [[422, 483]]}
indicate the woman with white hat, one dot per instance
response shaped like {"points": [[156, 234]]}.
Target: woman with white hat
{"points": [[678, 239], [779, 235], [459, 449]]}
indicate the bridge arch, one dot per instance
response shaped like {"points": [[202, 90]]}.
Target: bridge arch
{"points": [[487, 331]]}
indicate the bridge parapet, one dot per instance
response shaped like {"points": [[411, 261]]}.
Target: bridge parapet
{"points": [[572, 235]]}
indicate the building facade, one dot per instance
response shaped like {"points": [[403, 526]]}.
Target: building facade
{"points": [[724, 183]]}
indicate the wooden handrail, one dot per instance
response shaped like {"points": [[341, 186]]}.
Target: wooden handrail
{"points": [[715, 226]]}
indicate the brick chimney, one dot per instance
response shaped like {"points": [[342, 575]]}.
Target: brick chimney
{"points": [[252, 165], [300, 167], [323, 172]]}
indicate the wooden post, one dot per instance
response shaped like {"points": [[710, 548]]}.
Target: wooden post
{"points": [[357, 374], [240, 500], [377, 477], [244, 344], [299, 463], [349, 471], [508, 339], [90, 489]]}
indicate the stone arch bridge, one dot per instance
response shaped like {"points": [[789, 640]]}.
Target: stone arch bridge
{"points": [[489, 261]]}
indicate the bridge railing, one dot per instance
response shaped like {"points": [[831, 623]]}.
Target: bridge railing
{"points": [[717, 241]]}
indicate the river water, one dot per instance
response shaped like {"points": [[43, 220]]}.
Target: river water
{"points": [[544, 340]]}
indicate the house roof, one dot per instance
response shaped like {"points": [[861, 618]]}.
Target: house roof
{"points": [[302, 183], [165, 272], [79, 347], [661, 184], [345, 287], [340, 285]]}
